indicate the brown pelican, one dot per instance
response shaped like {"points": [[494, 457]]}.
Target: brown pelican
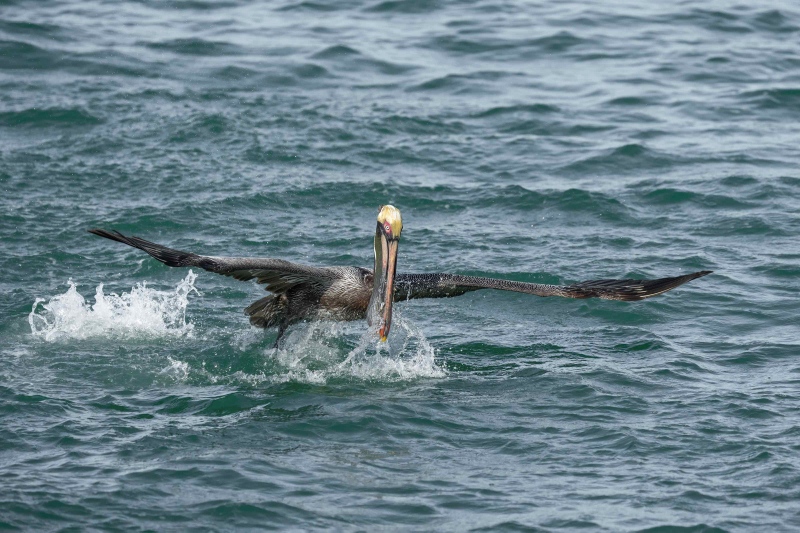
{"points": [[301, 292]]}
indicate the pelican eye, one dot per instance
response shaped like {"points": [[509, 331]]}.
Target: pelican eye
{"points": [[387, 227]]}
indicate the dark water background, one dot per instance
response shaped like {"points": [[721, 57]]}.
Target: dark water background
{"points": [[539, 141]]}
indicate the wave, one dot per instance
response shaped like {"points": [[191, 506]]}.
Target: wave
{"points": [[314, 6], [35, 29], [770, 21], [25, 56], [774, 21], [18, 55], [556, 43], [196, 47], [352, 60], [782, 99], [142, 312], [55, 116], [405, 6], [521, 110], [626, 158], [197, 5], [672, 196]]}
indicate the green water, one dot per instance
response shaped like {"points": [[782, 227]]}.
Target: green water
{"points": [[548, 142]]}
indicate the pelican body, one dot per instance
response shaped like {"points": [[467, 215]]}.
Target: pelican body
{"points": [[299, 292]]}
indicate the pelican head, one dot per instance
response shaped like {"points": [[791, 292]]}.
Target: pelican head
{"points": [[387, 238]]}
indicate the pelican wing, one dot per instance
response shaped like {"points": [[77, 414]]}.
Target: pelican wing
{"points": [[278, 275], [409, 286]]}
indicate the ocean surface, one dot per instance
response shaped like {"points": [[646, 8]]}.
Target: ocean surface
{"points": [[544, 141]]}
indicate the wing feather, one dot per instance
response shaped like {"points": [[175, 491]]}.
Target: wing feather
{"points": [[278, 275], [411, 286]]}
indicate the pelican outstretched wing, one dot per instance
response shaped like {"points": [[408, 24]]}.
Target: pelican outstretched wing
{"points": [[411, 286], [278, 275]]}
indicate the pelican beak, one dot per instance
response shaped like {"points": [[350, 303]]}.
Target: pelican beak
{"points": [[387, 284], [387, 239]]}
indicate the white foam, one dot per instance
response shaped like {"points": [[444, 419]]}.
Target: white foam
{"points": [[178, 370], [311, 355], [142, 312]]}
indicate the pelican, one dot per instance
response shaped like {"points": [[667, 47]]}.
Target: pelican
{"points": [[300, 292]]}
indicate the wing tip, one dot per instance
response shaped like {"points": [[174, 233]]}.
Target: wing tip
{"points": [[667, 284], [113, 235], [698, 274], [164, 254], [632, 289]]}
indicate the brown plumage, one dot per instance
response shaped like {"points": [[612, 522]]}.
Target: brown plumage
{"points": [[301, 292]]}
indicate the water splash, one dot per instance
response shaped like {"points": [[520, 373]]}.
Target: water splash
{"points": [[177, 370], [318, 353], [314, 355], [142, 312]]}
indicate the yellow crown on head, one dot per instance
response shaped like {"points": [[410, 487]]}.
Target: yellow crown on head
{"points": [[389, 217]]}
